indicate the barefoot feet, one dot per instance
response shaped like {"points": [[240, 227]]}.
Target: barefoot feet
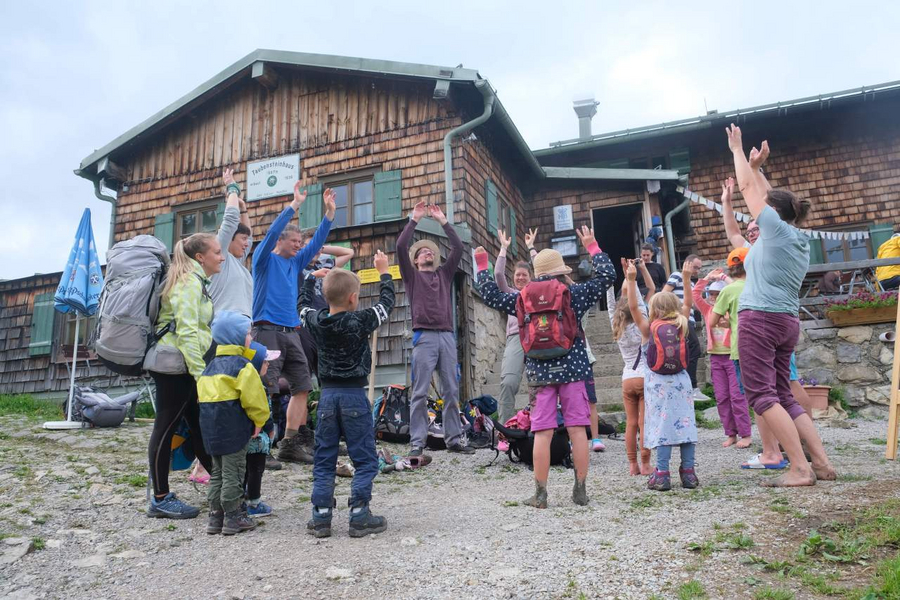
{"points": [[729, 441], [744, 442], [794, 478]]}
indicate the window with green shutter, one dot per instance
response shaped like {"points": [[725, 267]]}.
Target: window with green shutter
{"points": [[220, 214], [42, 325], [388, 204], [493, 206], [879, 233], [680, 160], [311, 210], [164, 229], [512, 231]]}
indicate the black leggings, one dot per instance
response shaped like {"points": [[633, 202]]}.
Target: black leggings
{"points": [[256, 466], [176, 397], [695, 351]]}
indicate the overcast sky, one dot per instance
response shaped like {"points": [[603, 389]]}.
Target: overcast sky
{"points": [[77, 74]]}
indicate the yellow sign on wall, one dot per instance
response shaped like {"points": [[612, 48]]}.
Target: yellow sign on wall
{"points": [[372, 275]]}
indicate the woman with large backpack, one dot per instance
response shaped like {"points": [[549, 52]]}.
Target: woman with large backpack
{"points": [[186, 310], [669, 418], [556, 360], [768, 321]]}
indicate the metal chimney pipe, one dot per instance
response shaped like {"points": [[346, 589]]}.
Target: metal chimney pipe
{"points": [[585, 109]]}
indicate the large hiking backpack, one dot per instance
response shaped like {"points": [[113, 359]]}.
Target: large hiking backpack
{"points": [[667, 351], [391, 414], [129, 303], [518, 436], [93, 406], [547, 323]]}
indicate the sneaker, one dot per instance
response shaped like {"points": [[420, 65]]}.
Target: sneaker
{"points": [[416, 451], [660, 481], [272, 463], [237, 521], [597, 445], [292, 450], [460, 449], [503, 446], [215, 522], [689, 479], [171, 507], [320, 523], [700, 396], [260, 510], [363, 522]]}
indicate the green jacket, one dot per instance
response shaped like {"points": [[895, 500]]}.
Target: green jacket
{"points": [[188, 304]]}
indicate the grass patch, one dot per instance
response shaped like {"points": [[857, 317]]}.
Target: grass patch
{"points": [[510, 503], [137, 481], [887, 580], [645, 502], [850, 477], [878, 441], [691, 590], [705, 549], [768, 593], [25, 405], [38, 543], [145, 411]]}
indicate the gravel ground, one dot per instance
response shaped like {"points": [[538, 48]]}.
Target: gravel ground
{"points": [[455, 528]]}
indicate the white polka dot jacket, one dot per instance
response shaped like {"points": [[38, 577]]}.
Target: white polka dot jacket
{"points": [[575, 365]]}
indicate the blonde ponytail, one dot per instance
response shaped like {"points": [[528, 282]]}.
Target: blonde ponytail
{"points": [[621, 318], [183, 259]]}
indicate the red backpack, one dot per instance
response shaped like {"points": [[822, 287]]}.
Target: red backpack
{"points": [[547, 323], [667, 351]]}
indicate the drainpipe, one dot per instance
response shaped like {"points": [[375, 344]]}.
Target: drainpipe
{"points": [[670, 239], [489, 98], [98, 183]]}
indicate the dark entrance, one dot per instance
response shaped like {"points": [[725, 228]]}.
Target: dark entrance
{"points": [[619, 231]]}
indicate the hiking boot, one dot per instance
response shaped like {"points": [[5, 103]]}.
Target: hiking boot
{"points": [[579, 492], [416, 451], [539, 500], [308, 439], [292, 450], [260, 510], [659, 481], [689, 479], [363, 522], [171, 507], [343, 470], [272, 463], [459, 448], [237, 521], [215, 522], [320, 523]]}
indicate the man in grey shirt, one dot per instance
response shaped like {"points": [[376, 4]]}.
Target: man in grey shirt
{"points": [[232, 287]]}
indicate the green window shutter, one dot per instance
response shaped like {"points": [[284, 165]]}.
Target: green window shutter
{"points": [[388, 204], [493, 209], [879, 234], [816, 256], [311, 211], [680, 160], [512, 231], [220, 214], [164, 229], [42, 325]]}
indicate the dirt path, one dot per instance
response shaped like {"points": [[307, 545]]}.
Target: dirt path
{"points": [[456, 529]]}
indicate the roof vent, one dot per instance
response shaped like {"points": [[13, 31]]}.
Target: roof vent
{"points": [[585, 109]]}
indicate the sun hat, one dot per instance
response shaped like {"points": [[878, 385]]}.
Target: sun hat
{"points": [[262, 354], [550, 263], [425, 244], [717, 286], [737, 256]]}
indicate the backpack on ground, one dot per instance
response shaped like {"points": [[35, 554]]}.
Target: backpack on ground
{"points": [[97, 408], [547, 323], [391, 414], [129, 303], [521, 442], [667, 351]]}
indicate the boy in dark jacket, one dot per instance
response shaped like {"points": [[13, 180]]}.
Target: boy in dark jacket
{"points": [[342, 334], [233, 410]]}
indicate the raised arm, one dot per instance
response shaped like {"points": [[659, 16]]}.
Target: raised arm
{"points": [[341, 255], [456, 245], [490, 293], [312, 248], [732, 227], [232, 216], [407, 269], [585, 295], [268, 243], [636, 315], [373, 317], [500, 267], [530, 236], [751, 186], [611, 303], [686, 305]]}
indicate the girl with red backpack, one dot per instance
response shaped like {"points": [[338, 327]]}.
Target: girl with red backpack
{"points": [[556, 360], [668, 394]]}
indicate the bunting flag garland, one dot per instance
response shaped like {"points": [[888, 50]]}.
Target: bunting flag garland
{"points": [[745, 218]]}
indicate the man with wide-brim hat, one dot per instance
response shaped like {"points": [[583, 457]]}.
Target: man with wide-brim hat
{"points": [[429, 289]]}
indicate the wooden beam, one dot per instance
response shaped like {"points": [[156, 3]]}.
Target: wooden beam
{"points": [[265, 75]]}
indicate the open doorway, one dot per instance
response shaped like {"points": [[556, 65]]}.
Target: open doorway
{"points": [[619, 231]]}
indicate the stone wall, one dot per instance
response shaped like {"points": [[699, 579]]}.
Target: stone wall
{"points": [[850, 357], [490, 340]]}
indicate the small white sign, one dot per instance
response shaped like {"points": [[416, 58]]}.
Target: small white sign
{"points": [[562, 218], [272, 177], [566, 246]]}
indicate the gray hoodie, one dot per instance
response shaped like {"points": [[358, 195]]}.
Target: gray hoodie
{"points": [[232, 287]]}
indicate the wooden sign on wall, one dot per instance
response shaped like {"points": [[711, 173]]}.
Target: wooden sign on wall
{"points": [[272, 177]]}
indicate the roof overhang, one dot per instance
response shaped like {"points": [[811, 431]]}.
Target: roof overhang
{"points": [[610, 174]]}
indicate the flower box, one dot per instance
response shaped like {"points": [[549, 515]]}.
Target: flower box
{"points": [[863, 316], [818, 397]]}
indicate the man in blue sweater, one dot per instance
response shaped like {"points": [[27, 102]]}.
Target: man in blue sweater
{"points": [[277, 263]]}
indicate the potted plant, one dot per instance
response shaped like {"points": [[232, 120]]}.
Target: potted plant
{"points": [[863, 308], [818, 394]]}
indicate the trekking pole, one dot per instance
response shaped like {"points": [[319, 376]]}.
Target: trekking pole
{"points": [[372, 371]]}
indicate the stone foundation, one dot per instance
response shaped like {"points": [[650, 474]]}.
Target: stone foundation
{"points": [[852, 358], [490, 341]]}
